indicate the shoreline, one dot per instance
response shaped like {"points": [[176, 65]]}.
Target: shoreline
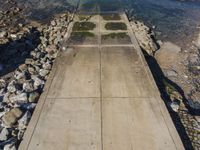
{"points": [[170, 66], [34, 46], [29, 53]]}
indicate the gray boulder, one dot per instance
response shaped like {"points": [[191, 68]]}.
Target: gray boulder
{"points": [[23, 67], [21, 98], [12, 86], [37, 81], [33, 97], [28, 87], [43, 72], [11, 117], [4, 134]]}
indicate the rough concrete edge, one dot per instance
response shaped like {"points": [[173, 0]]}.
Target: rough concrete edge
{"points": [[41, 102], [33, 122], [171, 127], [36, 114]]}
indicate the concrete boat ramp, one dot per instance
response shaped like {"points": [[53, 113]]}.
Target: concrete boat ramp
{"points": [[101, 96]]}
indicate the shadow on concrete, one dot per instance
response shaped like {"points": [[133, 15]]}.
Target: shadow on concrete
{"points": [[159, 78], [15, 52]]}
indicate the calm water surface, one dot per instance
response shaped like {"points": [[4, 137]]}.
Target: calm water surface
{"points": [[174, 20]]}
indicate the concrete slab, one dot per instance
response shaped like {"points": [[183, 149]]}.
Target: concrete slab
{"points": [[87, 17], [134, 124], [108, 39], [78, 68], [123, 75], [68, 124], [121, 55], [81, 38], [101, 97]]}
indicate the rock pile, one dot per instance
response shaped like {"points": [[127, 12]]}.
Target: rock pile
{"points": [[144, 36], [20, 91], [178, 74]]}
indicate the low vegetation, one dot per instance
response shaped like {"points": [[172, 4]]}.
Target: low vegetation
{"points": [[115, 35], [83, 26], [116, 26], [171, 91], [85, 34]]}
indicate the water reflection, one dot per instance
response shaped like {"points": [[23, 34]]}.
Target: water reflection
{"points": [[175, 20], [100, 5], [43, 10]]}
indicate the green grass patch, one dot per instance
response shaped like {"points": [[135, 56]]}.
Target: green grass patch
{"points": [[81, 34], [83, 26], [111, 17], [169, 88], [116, 26], [114, 35]]}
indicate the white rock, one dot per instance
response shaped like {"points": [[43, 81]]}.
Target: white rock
{"points": [[175, 106], [37, 81], [21, 98], [28, 87], [2, 83], [13, 36], [43, 72], [6, 98], [11, 86], [143, 35], [31, 70], [47, 66], [9, 147], [53, 23], [4, 134], [3, 34]]}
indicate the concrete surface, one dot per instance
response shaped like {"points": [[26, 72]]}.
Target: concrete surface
{"points": [[101, 97]]}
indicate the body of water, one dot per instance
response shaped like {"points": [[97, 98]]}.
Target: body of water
{"points": [[176, 21]]}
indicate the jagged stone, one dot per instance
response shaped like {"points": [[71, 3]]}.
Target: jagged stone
{"points": [[28, 87], [33, 97], [21, 98], [11, 117], [4, 134], [43, 72]]}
